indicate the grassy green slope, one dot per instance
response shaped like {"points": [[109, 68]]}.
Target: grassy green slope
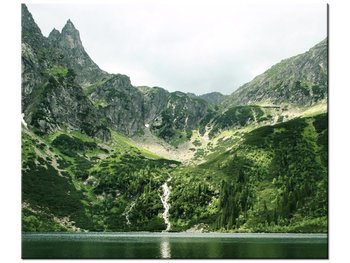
{"points": [[72, 182], [270, 179], [274, 180], [50, 200]]}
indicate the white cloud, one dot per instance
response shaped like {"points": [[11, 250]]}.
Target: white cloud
{"points": [[189, 46]]}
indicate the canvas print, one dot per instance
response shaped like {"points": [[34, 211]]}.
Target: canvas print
{"points": [[174, 130]]}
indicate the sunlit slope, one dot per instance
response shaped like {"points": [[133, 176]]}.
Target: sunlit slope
{"points": [[273, 178], [73, 182]]}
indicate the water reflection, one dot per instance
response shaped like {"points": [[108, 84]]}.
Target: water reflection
{"points": [[165, 251], [172, 245]]}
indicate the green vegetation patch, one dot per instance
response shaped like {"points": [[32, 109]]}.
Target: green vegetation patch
{"points": [[90, 89], [271, 181], [237, 116], [58, 72], [70, 145], [43, 187]]}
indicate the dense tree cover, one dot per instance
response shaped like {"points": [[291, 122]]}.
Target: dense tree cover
{"points": [[47, 190], [194, 197], [293, 187], [121, 180], [276, 180], [96, 186], [237, 116], [71, 145], [273, 179]]}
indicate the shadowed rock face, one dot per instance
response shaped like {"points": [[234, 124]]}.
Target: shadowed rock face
{"points": [[122, 104], [34, 45], [51, 95], [63, 104], [129, 109]]}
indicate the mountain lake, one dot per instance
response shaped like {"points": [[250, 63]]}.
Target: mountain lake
{"points": [[148, 245]]}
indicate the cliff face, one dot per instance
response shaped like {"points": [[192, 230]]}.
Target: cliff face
{"points": [[129, 109], [120, 103], [74, 55], [299, 80], [62, 104], [105, 100], [52, 98], [33, 56]]}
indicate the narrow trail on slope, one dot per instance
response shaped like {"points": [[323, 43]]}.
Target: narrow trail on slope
{"points": [[165, 200]]}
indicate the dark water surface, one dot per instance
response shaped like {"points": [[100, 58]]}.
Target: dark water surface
{"points": [[172, 245]]}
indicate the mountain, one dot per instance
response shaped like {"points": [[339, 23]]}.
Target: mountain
{"points": [[99, 154], [33, 44], [51, 97], [271, 179], [300, 80], [72, 54], [60, 79], [130, 109], [214, 98]]}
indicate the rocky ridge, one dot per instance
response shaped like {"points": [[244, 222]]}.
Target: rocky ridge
{"points": [[214, 98], [300, 81], [109, 100]]}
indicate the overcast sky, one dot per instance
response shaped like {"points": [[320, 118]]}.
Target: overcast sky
{"points": [[191, 47]]}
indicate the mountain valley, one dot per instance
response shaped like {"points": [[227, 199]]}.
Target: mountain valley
{"points": [[99, 154]]}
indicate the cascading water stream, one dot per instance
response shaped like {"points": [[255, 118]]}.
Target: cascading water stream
{"points": [[165, 200], [126, 214]]}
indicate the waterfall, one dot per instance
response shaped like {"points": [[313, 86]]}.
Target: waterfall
{"points": [[165, 200], [24, 122], [127, 213]]}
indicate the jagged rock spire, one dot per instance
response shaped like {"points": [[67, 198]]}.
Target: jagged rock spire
{"points": [[54, 35], [69, 26], [31, 33], [70, 36]]}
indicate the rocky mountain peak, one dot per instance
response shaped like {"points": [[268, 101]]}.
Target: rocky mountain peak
{"points": [[54, 35], [70, 36], [27, 19], [69, 26], [72, 54], [31, 33], [69, 23]]}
